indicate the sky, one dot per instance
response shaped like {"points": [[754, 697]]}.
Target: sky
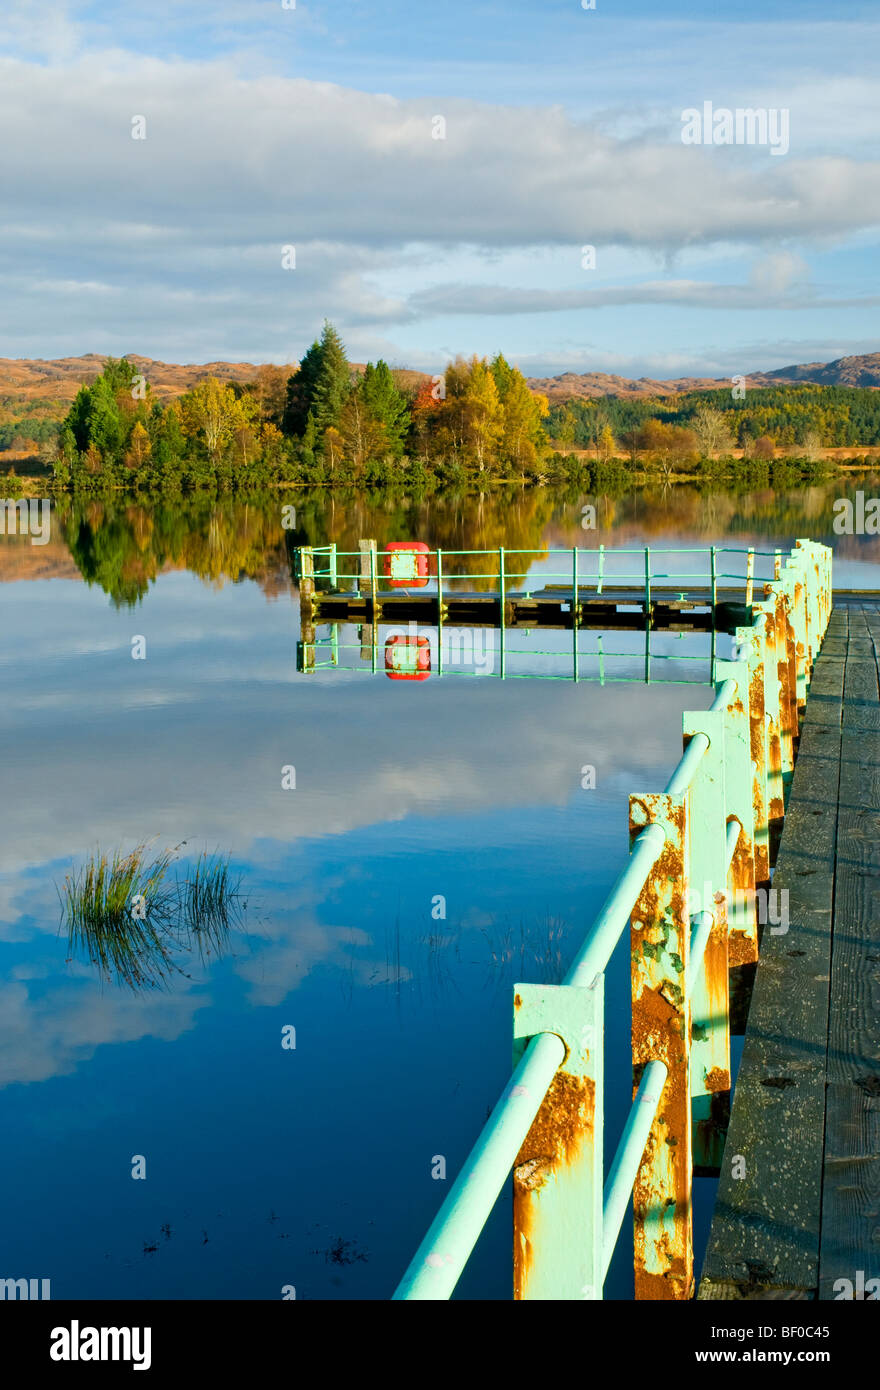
{"points": [[438, 171]]}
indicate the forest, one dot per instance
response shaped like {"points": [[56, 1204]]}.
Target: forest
{"points": [[333, 424], [328, 422]]}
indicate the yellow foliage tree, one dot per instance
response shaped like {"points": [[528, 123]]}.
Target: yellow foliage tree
{"points": [[213, 412]]}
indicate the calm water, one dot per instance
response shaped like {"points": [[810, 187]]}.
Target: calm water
{"points": [[309, 1166]]}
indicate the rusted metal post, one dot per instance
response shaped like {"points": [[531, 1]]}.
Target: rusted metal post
{"points": [[796, 585], [368, 571], [773, 714], [306, 574], [784, 644], [806, 560], [557, 1177], [710, 1037], [661, 1027], [752, 643], [739, 790], [787, 583], [750, 576]]}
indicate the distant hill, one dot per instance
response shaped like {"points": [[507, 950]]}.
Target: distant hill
{"points": [[845, 371], [60, 379]]}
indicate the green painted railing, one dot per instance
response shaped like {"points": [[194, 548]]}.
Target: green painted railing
{"points": [[321, 565], [700, 851], [447, 572]]}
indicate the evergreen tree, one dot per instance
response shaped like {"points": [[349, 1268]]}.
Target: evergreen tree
{"points": [[300, 390], [386, 404], [333, 382]]}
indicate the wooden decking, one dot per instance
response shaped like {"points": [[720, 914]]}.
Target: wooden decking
{"points": [[616, 608], [798, 1206]]}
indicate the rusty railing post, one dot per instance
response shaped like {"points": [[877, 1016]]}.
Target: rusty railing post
{"points": [[739, 795], [661, 1027], [557, 1177], [709, 1002]]}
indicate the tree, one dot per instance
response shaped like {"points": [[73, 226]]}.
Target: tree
{"points": [[332, 383], [482, 414], [270, 393], [523, 437], [364, 438], [425, 415], [811, 445], [711, 430], [606, 446], [666, 442], [300, 390], [765, 447], [139, 447], [386, 404], [212, 411]]}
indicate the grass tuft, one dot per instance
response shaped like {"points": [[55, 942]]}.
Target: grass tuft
{"points": [[130, 917]]}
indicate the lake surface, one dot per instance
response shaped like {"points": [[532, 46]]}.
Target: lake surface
{"points": [[309, 1166]]}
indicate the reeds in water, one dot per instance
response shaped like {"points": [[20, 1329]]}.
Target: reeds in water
{"points": [[130, 917]]}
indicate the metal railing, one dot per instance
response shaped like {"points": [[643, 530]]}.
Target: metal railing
{"points": [[444, 575], [700, 850], [440, 575]]}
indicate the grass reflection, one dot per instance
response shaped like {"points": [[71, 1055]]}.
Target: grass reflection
{"points": [[136, 918]]}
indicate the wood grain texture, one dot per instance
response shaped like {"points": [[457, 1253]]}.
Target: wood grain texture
{"points": [[765, 1236]]}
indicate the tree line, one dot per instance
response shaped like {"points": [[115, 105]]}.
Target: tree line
{"points": [[327, 421], [760, 421]]}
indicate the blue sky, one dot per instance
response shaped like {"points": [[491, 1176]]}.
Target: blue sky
{"points": [[312, 127]]}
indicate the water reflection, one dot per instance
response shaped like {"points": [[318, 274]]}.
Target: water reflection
{"points": [[137, 922], [123, 545]]}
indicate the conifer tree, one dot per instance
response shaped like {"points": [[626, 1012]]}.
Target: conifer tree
{"points": [[386, 404], [332, 383]]}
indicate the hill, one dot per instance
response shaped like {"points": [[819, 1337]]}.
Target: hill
{"points": [[28, 381]]}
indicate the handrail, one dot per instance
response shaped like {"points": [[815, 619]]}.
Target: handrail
{"points": [[437, 1264], [713, 817], [625, 1165]]}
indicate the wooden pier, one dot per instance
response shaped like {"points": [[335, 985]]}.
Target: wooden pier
{"points": [[555, 606], [798, 1207]]}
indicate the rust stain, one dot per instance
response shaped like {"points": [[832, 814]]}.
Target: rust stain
{"points": [[517, 1001], [717, 1079], [742, 949], [743, 942], [561, 1128], [659, 1022]]}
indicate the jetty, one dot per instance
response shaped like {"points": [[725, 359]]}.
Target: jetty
{"points": [[751, 896]]}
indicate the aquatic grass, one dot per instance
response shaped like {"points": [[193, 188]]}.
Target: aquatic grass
{"points": [[210, 903], [131, 919]]}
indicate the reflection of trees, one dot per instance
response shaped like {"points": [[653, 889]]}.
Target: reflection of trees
{"points": [[124, 545]]}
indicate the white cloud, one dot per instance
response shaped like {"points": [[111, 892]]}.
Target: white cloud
{"points": [[181, 233]]}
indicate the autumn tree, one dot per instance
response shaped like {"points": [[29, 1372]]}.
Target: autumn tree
{"points": [[139, 447], [764, 447], [424, 418], [213, 413], [364, 438], [270, 392], [523, 438], [711, 430]]}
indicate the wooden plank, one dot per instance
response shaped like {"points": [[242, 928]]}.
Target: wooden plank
{"points": [[851, 1191], [764, 1241]]}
